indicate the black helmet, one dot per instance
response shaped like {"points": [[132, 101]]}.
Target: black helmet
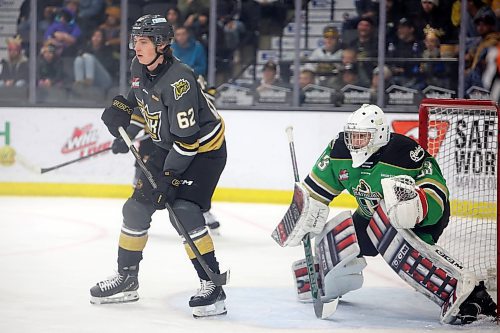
{"points": [[154, 26]]}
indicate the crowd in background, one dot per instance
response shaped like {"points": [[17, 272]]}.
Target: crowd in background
{"points": [[79, 43]]}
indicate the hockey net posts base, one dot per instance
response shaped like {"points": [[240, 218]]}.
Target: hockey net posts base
{"points": [[463, 136]]}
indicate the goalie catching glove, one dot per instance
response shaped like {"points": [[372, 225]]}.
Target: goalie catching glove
{"points": [[312, 218], [406, 203]]}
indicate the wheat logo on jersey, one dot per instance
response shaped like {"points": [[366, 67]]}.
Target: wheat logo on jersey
{"points": [[181, 87], [367, 199], [343, 175], [417, 154], [135, 82], [153, 120]]}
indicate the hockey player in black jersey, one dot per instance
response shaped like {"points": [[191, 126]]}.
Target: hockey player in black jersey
{"points": [[188, 159]]}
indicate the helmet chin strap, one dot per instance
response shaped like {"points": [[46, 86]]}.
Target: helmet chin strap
{"points": [[158, 54]]}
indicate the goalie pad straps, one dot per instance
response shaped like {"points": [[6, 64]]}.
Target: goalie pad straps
{"points": [[428, 269], [305, 215], [339, 271]]}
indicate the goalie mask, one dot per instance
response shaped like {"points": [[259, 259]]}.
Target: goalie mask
{"points": [[365, 132]]}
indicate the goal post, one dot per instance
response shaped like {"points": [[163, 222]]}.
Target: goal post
{"points": [[463, 136]]}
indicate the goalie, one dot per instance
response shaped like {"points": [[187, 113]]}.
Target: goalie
{"points": [[403, 208]]}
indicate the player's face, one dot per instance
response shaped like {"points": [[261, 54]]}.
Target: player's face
{"points": [[360, 139], [145, 50]]}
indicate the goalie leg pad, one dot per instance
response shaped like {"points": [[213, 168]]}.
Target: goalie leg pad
{"points": [[339, 269], [343, 279], [428, 269]]}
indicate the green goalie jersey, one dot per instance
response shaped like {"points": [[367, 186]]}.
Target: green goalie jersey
{"points": [[333, 173]]}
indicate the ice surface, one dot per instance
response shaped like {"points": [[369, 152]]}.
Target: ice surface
{"points": [[52, 250]]}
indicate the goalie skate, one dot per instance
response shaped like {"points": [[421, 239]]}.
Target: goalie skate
{"points": [[120, 288], [208, 301]]}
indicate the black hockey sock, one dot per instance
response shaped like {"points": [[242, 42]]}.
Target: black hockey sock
{"points": [[127, 260], [211, 262]]}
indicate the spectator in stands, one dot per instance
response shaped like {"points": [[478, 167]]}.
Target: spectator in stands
{"points": [[431, 15], [46, 11], [491, 74], [198, 26], [111, 28], [228, 19], [374, 82], [434, 73], [189, 51], [350, 57], [406, 46], [330, 51], [485, 22], [393, 15], [14, 69], [306, 77], [251, 17], [63, 33], [192, 7], [364, 9], [348, 75], [365, 43], [95, 63], [90, 15], [50, 68], [269, 77], [173, 17]]}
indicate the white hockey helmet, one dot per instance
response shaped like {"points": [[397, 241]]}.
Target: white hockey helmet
{"points": [[365, 132]]}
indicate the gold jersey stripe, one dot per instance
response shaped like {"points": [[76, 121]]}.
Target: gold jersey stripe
{"points": [[138, 119], [203, 244], [132, 243], [319, 182], [215, 141], [189, 147]]}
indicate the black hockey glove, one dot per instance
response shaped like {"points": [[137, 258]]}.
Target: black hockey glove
{"points": [[168, 184], [118, 114], [119, 146]]}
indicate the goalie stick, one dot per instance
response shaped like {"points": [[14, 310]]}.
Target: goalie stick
{"points": [[44, 170], [322, 309], [217, 279]]}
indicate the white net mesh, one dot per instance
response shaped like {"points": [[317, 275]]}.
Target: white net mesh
{"points": [[464, 140]]}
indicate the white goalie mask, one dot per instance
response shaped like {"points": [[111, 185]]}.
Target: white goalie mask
{"points": [[365, 132]]}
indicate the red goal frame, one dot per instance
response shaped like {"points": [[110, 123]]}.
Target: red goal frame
{"points": [[423, 135]]}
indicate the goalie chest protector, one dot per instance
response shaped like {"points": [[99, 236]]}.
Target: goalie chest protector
{"points": [[401, 156]]}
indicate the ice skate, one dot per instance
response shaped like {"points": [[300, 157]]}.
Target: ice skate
{"points": [[208, 301], [212, 223], [478, 304], [120, 288]]}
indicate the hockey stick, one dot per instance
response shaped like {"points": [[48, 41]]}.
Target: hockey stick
{"points": [[44, 170], [217, 279], [322, 309]]}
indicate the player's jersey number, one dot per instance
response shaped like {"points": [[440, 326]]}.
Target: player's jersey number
{"points": [[186, 118]]}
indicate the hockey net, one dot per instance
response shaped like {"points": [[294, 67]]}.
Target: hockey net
{"points": [[463, 136]]}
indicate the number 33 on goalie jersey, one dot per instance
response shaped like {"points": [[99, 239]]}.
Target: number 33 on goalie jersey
{"points": [[177, 112], [333, 173]]}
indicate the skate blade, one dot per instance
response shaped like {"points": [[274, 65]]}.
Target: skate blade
{"points": [[126, 297], [216, 309]]}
